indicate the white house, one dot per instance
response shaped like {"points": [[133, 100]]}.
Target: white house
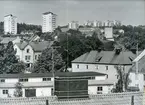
{"points": [[137, 72], [41, 84], [28, 52], [104, 62]]}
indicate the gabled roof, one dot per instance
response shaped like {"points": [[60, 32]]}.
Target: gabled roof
{"points": [[57, 74], [106, 57], [6, 40], [36, 46]]}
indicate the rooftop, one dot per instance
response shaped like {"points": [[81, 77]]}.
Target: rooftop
{"points": [[37, 46], [59, 74], [10, 15], [48, 13], [107, 57]]}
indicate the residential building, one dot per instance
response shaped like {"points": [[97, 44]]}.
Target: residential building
{"points": [[28, 52], [41, 84], [10, 24], [117, 23], [109, 33], [88, 23], [137, 72], [104, 62], [49, 22], [73, 25]]}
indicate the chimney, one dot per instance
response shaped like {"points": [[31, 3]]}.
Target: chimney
{"points": [[117, 51], [99, 49], [133, 50]]}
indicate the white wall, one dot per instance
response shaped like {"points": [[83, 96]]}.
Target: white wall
{"points": [[112, 73], [134, 80], [45, 91], [108, 32]]}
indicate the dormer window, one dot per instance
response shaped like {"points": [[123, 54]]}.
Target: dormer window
{"points": [[27, 50]]}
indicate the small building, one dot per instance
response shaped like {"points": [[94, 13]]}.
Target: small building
{"points": [[104, 62], [137, 72], [41, 84]]}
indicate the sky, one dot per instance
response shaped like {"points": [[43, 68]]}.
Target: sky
{"points": [[129, 12]]}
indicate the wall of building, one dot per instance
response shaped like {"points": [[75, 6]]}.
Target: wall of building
{"points": [[108, 32], [136, 80]]}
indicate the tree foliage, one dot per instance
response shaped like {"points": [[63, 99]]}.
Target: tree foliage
{"points": [[45, 61], [8, 61], [18, 90]]}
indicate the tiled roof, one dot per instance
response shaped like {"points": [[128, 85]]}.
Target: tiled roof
{"points": [[106, 57], [60, 74], [37, 46], [6, 40]]}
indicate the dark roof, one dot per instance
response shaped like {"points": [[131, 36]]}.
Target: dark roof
{"points": [[48, 13], [37, 46], [9, 15], [57, 74], [106, 57], [6, 40]]}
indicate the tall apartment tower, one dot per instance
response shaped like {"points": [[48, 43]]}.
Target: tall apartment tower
{"points": [[10, 24], [49, 22]]}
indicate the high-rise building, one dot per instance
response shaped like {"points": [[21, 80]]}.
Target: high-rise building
{"points": [[10, 24], [73, 25], [49, 22]]}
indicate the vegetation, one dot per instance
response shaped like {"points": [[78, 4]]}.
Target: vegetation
{"points": [[18, 90], [8, 61]]}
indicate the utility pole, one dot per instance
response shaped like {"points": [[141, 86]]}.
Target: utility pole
{"points": [[53, 70], [136, 74]]}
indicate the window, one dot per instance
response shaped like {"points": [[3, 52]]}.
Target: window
{"points": [[78, 66], [15, 50], [52, 93], [106, 67], [97, 67], [39, 55], [86, 66], [46, 79], [106, 76], [27, 50], [23, 80], [35, 57], [5, 91], [117, 76], [100, 89], [2, 80], [144, 76], [28, 57]]}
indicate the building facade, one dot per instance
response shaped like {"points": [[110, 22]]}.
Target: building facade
{"points": [[10, 24], [29, 52], [73, 25], [49, 22], [42, 84]]}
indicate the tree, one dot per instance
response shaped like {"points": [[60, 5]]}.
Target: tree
{"points": [[45, 61], [18, 90], [18, 67]]}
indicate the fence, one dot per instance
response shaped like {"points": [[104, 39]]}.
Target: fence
{"points": [[130, 98]]}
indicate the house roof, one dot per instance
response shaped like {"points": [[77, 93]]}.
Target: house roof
{"points": [[37, 46], [106, 57], [57, 74], [6, 40]]}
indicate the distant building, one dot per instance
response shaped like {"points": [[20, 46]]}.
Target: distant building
{"points": [[97, 23], [88, 23], [28, 52], [49, 22], [10, 24], [109, 33], [104, 62], [73, 25], [41, 84], [117, 23]]}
